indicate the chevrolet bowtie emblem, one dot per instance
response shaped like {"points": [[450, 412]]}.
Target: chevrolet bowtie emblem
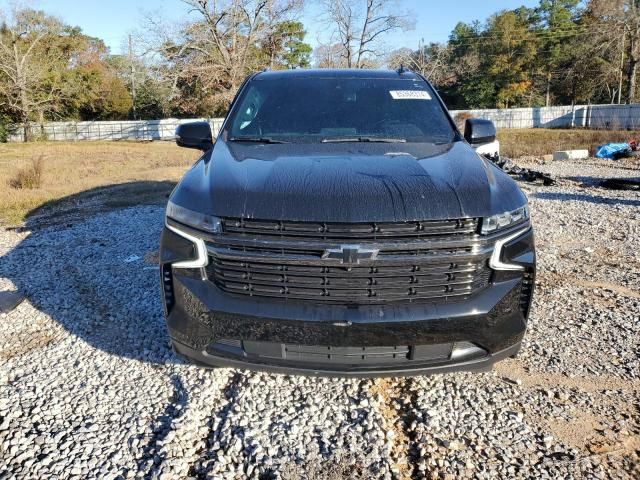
{"points": [[350, 254]]}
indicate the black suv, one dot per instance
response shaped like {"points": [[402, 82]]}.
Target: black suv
{"points": [[340, 225]]}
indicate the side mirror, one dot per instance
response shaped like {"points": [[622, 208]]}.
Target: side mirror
{"points": [[194, 135], [478, 131]]}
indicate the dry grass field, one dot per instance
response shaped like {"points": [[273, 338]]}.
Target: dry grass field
{"points": [[538, 141], [70, 168]]}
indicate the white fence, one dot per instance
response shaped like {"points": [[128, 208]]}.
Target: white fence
{"points": [[607, 117], [110, 130]]}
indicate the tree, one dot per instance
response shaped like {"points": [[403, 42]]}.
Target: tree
{"points": [[557, 23], [28, 80], [360, 27], [431, 61], [631, 12], [588, 68], [470, 85], [153, 94], [105, 96], [510, 52], [205, 61], [329, 55], [49, 70], [97, 82], [285, 46], [622, 16]]}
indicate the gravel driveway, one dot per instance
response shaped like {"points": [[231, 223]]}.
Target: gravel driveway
{"points": [[89, 387]]}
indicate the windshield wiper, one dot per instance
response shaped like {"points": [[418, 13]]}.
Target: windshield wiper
{"points": [[256, 139], [364, 139]]}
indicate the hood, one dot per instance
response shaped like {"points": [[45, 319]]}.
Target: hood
{"points": [[346, 182]]}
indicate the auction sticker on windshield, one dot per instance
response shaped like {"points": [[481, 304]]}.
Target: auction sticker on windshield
{"points": [[410, 94]]}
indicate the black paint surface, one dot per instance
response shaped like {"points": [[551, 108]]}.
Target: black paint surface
{"points": [[346, 182]]}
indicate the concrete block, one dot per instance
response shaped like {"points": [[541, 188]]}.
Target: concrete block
{"points": [[571, 154], [547, 158]]}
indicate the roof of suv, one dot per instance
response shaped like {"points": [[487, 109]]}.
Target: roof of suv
{"points": [[336, 73]]}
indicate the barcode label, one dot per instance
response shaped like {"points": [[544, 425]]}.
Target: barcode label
{"points": [[410, 95]]}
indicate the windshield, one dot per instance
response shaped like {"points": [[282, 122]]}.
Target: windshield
{"points": [[305, 109]]}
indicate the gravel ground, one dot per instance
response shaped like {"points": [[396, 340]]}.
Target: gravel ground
{"points": [[89, 387]]}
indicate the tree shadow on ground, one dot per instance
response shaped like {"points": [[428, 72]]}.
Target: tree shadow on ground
{"points": [[79, 206], [578, 197], [90, 263]]}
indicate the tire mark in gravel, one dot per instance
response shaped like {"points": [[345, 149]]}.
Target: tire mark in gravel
{"points": [[393, 401], [172, 412], [205, 457], [182, 439]]}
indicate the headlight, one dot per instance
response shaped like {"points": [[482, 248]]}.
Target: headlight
{"points": [[496, 262], [193, 219], [504, 220], [198, 221]]}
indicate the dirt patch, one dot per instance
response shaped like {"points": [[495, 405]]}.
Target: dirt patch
{"points": [[25, 343], [20, 342], [512, 370], [340, 470], [619, 289], [389, 395], [578, 432], [624, 453], [552, 278], [586, 431], [629, 445]]}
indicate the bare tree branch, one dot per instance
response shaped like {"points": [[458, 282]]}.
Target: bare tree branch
{"points": [[373, 19]]}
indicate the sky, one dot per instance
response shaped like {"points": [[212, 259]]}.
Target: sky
{"points": [[113, 20]]}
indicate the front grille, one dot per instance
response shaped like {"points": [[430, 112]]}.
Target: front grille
{"points": [[308, 251], [434, 262], [332, 356], [381, 283], [347, 355], [350, 231]]}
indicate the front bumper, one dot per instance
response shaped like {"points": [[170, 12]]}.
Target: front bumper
{"points": [[213, 328], [205, 359], [216, 328]]}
